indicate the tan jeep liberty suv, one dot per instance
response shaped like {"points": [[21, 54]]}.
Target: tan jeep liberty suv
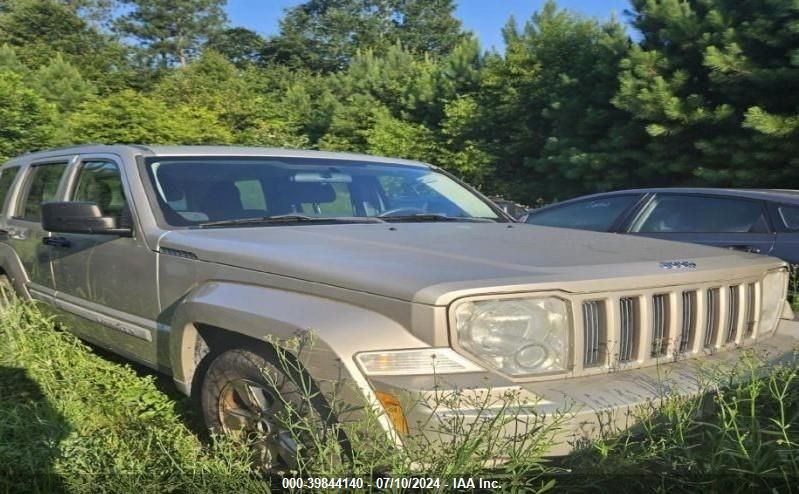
{"points": [[196, 260]]}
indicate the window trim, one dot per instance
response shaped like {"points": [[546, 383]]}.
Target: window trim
{"points": [[763, 211], [30, 175], [5, 206]]}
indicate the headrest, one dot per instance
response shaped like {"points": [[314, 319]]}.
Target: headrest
{"points": [[312, 193]]}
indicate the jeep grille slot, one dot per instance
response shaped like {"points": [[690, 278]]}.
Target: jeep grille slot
{"points": [[628, 328], [749, 310], [712, 319], [594, 332], [660, 323], [733, 304], [688, 320]]}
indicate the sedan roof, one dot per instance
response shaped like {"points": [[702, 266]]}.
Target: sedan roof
{"points": [[781, 195]]}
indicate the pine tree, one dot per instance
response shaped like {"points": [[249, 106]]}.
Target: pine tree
{"points": [[714, 82], [325, 35], [61, 83], [546, 113], [172, 32]]}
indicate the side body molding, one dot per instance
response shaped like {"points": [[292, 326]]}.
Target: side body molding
{"points": [[336, 331]]}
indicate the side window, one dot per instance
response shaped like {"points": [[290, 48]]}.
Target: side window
{"points": [[699, 214], [788, 214], [100, 182], [42, 187], [594, 214], [6, 180]]}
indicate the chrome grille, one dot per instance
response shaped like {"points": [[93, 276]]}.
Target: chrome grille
{"points": [[733, 303], [712, 316], [645, 327], [688, 320], [628, 328], [594, 331], [749, 310], [660, 324]]}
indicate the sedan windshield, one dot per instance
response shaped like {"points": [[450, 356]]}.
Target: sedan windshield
{"points": [[219, 192]]}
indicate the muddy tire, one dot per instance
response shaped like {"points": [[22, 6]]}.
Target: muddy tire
{"points": [[249, 394]]}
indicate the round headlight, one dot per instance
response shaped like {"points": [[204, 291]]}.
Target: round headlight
{"points": [[520, 336]]}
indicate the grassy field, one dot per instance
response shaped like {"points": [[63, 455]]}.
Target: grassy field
{"points": [[72, 420]]}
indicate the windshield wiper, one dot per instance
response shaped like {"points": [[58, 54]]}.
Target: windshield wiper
{"points": [[290, 218], [436, 217]]}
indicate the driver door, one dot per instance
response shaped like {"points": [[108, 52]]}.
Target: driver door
{"points": [[108, 281]]}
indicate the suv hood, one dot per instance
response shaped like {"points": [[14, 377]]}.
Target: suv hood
{"points": [[433, 263]]}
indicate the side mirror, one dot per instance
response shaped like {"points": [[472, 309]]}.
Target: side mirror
{"points": [[79, 217]]}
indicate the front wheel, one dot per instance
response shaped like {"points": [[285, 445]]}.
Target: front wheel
{"points": [[247, 394]]}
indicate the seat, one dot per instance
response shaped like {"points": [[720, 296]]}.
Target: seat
{"points": [[222, 201]]}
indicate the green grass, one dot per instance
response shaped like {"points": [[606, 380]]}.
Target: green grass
{"points": [[73, 420]]}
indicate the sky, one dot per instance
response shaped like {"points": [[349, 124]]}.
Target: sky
{"points": [[483, 17]]}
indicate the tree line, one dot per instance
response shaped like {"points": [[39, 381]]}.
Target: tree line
{"points": [[704, 94]]}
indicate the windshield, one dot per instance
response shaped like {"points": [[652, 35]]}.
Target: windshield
{"points": [[219, 191]]}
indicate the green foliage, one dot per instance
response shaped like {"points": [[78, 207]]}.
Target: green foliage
{"points": [[547, 112], [61, 83], [27, 121], [325, 36], [172, 32], [41, 30], [129, 117], [707, 96], [214, 85], [242, 47], [714, 82]]}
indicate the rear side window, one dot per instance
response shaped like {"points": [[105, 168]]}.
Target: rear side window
{"points": [[594, 214], [701, 214], [6, 180], [789, 216], [42, 187]]}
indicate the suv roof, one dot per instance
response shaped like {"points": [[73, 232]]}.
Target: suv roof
{"points": [[155, 150]]}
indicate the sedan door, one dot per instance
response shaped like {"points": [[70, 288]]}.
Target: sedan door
{"points": [[721, 221], [786, 220]]}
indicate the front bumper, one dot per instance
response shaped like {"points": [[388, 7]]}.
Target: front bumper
{"points": [[584, 407]]}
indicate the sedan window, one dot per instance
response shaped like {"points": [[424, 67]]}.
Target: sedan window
{"points": [[790, 217], [595, 214], [700, 214]]}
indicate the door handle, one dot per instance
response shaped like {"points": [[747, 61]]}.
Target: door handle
{"points": [[745, 248], [56, 241]]}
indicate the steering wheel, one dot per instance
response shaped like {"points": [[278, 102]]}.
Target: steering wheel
{"points": [[406, 211]]}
